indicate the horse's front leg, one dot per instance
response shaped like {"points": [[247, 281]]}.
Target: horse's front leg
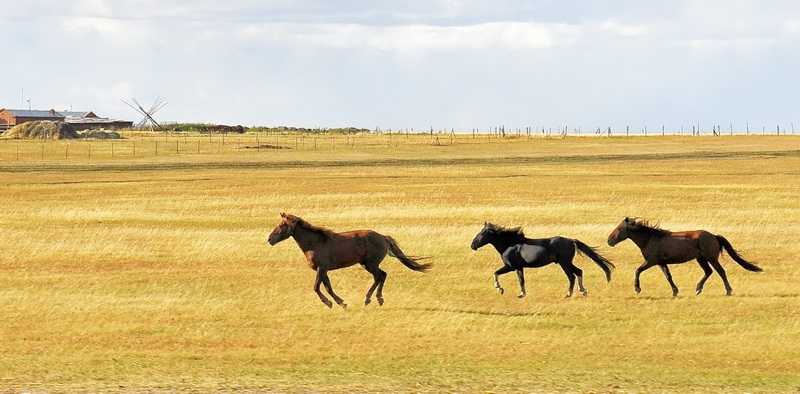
{"points": [[639, 271], [327, 283], [321, 296], [506, 269], [666, 272], [521, 277]]}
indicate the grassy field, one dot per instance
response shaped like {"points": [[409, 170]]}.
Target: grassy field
{"points": [[144, 270]]}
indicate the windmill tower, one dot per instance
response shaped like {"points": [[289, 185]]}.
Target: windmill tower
{"points": [[148, 121]]}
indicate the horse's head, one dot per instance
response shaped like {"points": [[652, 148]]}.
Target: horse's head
{"points": [[621, 232], [283, 230], [483, 237]]}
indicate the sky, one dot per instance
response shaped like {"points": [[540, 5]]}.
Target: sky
{"points": [[411, 64]]}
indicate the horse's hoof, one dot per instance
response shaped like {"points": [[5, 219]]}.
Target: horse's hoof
{"points": [[698, 292], [329, 304], [638, 289], [521, 296], [367, 301], [380, 301], [729, 292], [585, 293], [500, 289], [568, 295], [343, 305]]}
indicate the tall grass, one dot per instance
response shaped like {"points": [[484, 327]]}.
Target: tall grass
{"points": [[152, 273]]}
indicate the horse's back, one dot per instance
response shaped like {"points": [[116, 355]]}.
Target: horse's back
{"points": [[687, 245], [542, 251], [359, 247]]}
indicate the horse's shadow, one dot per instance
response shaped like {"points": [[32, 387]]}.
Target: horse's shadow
{"points": [[477, 312]]}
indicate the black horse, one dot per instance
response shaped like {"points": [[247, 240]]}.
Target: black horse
{"points": [[519, 252]]}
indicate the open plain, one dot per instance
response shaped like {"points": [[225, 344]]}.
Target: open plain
{"points": [[142, 264]]}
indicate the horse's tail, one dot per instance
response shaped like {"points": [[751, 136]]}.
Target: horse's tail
{"points": [[591, 252], [736, 256], [408, 261]]}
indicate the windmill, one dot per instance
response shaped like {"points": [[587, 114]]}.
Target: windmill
{"points": [[147, 121]]}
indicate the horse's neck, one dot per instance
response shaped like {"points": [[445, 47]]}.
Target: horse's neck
{"points": [[306, 239], [503, 244], [641, 239]]}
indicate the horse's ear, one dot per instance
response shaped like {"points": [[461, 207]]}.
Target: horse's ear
{"points": [[283, 215], [627, 219]]}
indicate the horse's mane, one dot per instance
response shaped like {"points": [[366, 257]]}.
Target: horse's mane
{"points": [[505, 232], [644, 225], [329, 234]]}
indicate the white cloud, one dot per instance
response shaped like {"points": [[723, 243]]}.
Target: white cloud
{"points": [[424, 62], [792, 27], [110, 30], [623, 30], [509, 35]]}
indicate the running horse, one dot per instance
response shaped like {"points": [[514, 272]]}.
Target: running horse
{"points": [[326, 250], [663, 247], [518, 252]]}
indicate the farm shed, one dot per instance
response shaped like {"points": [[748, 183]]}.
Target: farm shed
{"points": [[12, 117], [79, 120]]}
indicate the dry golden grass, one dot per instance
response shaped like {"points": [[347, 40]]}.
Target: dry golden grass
{"points": [[151, 272]]}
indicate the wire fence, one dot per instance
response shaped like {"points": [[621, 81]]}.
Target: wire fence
{"points": [[136, 144]]}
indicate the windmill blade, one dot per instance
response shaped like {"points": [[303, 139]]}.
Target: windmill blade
{"points": [[157, 105], [148, 120], [133, 107]]}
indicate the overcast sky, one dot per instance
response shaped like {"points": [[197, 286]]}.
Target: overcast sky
{"points": [[396, 64]]}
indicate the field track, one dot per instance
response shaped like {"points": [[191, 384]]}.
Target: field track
{"points": [[393, 162]]}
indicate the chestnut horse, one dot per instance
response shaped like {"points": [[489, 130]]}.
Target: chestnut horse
{"points": [[662, 247], [518, 252], [326, 250]]}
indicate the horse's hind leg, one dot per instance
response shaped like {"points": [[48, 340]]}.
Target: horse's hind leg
{"points": [[721, 271], [666, 272], [568, 269], [327, 283], [579, 274], [379, 277], [707, 273], [379, 294]]}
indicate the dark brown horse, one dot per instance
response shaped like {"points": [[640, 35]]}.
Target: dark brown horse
{"points": [[662, 247], [326, 250]]}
